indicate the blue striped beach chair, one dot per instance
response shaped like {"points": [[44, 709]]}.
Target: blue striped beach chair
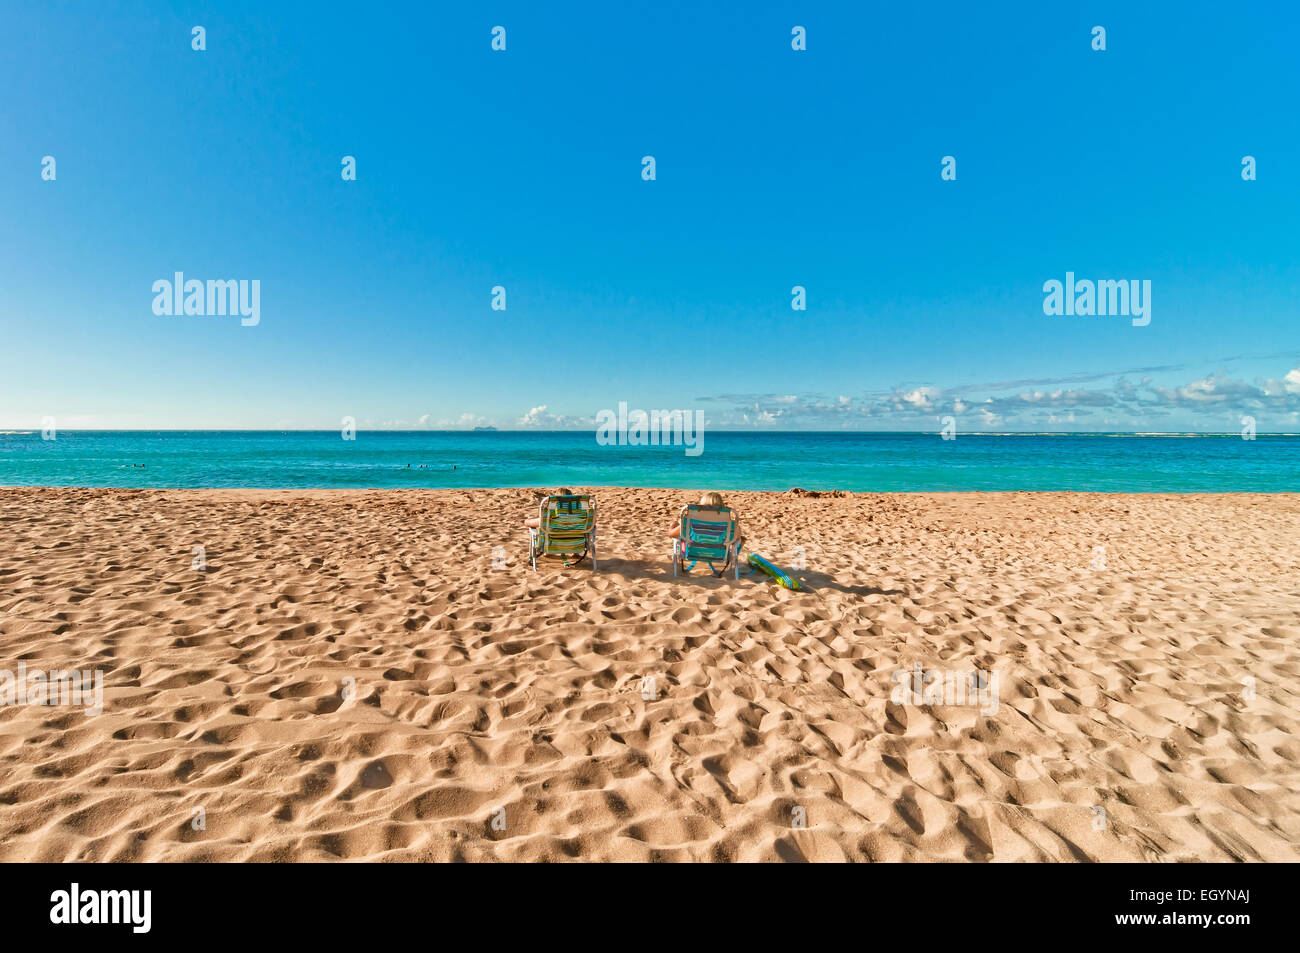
{"points": [[708, 535], [567, 530]]}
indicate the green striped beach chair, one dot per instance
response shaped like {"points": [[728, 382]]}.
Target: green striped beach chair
{"points": [[708, 535], [568, 530]]}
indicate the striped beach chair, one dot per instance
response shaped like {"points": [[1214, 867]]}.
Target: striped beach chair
{"points": [[708, 535], [568, 530]]}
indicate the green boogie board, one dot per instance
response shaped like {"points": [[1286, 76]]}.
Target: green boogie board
{"points": [[779, 576]]}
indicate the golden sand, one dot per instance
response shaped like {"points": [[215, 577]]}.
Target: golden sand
{"points": [[352, 678]]}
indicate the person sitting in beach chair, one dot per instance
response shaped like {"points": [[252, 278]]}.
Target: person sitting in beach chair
{"points": [[534, 522], [565, 526], [708, 532]]}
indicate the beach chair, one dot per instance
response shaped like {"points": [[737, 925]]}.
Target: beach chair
{"points": [[708, 535], [567, 530]]}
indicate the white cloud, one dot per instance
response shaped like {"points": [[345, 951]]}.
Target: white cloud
{"points": [[535, 417], [1210, 403], [922, 398], [541, 418]]}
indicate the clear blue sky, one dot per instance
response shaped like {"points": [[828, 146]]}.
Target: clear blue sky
{"points": [[775, 168]]}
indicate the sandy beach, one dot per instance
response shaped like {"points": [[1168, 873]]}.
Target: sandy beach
{"points": [[351, 677]]}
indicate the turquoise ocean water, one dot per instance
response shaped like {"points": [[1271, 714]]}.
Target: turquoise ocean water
{"points": [[876, 462]]}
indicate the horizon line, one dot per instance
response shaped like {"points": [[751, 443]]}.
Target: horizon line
{"points": [[21, 431]]}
